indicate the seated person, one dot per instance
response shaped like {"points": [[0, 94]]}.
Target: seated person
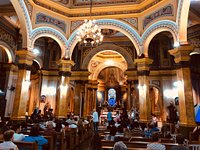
{"points": [[8, 138], [155, 145], [137, 130], [120, 146], [50, 131], [180, 140], [35, 137], [17, 135]]}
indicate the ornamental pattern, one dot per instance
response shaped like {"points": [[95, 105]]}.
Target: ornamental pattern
{"points": [[166, 11], [8, 39], [29, 7], [42, 18], [26, 16], [49, 32], [161, 24], [75, 24], [96, 14], [132, 21], [114, 23]]}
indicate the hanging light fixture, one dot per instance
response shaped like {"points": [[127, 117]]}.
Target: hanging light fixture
{"points": [[89, 32]]}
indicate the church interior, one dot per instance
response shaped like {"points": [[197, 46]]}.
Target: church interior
{"points": [[147, 56]]}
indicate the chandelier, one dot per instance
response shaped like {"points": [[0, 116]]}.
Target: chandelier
{"points": [[89, 32]]}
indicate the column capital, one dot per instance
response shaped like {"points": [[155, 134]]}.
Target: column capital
{"points": [[25, 57], [65, 67], [93, 84], [143, 63], [181, 53]]}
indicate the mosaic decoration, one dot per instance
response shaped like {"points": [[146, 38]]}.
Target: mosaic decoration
{"points": [[131, 21], [29, 7], [166, 11], [75, 24], [42, 18]]}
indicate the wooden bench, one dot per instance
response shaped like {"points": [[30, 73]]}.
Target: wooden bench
{"points": [[61, 140], [50, 145], [25, 145], [134, 144]]}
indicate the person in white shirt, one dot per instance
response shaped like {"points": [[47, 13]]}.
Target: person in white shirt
{"points": [[95, 119], [8, 138], [17, 135]]}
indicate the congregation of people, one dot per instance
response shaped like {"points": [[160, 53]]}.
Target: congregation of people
{"points": [[119, 127], [126, 127]]}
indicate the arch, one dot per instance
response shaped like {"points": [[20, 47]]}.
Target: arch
{"points": [[38, 61], [49, 32], [118, 25], [25, 21], [9, 52], [112, 47], [154, 29], [182, 20], [95, 74]]}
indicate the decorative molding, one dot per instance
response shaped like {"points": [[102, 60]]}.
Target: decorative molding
{"points": [[178, 19], [105, 2], [96, 14], [91, 52], [75, 24], [172, 26], [42, 18], [29, 7], [8, 39], [128, 31], [132, 21], [62, 2], [48, 31], [165, 11], [26, 16]]}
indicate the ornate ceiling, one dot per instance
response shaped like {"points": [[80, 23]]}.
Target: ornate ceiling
{"points": [[80, 8]]}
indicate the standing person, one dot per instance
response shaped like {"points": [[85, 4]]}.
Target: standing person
{"points": [[8, 138], [95, 119], [172, 116], [109, 116]]}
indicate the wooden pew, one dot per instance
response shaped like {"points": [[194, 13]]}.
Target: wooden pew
{"points": [[25, 145], [50, 145], [61, 140], [134, 144]]}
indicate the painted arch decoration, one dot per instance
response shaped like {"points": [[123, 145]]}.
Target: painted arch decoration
{"points": [[154, 29], [114, 24]]}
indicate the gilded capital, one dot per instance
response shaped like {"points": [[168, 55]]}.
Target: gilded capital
{"points": [[143, 63], [25, 57], [181, 53], [65, 65]]}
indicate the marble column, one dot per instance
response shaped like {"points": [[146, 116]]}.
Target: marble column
{"points": [[62, 99], [25, 60], [143, 86], [186, 103]]}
